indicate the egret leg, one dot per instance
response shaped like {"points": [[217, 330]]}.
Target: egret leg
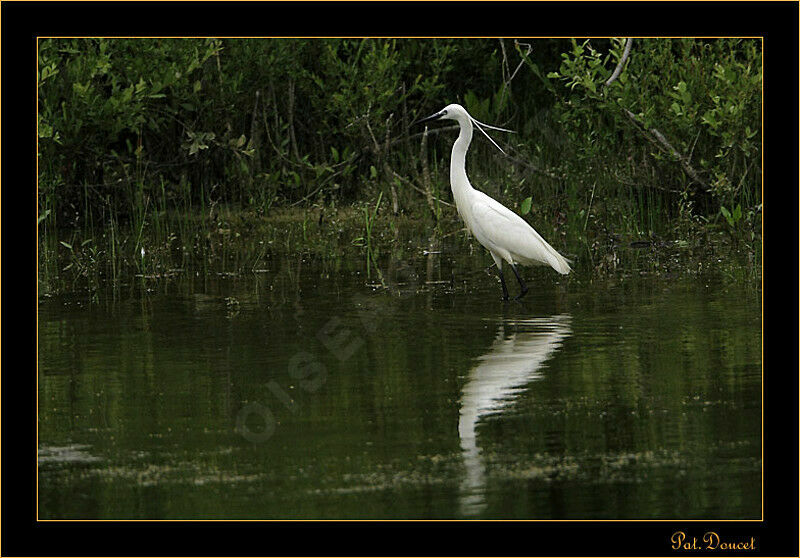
{"points": [[502, 282], [522, 285]]}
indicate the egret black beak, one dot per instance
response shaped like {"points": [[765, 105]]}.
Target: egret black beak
{"points": [[435, 116]]}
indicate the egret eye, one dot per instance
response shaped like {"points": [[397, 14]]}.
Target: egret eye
{"points": [[444, 112]]}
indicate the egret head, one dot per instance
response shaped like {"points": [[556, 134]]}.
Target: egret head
{"points": [[450, 112], [459, 114]]}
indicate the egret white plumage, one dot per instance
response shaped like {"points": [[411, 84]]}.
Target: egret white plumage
{"points": [[504, 233]]}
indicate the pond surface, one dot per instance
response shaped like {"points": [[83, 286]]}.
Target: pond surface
{"points": [[303, 392]]}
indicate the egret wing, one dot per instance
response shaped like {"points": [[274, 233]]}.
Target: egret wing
{"points": [[502, 228]]}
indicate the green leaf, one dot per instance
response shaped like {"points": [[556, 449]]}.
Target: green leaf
{"points": [[726, 214], [65, 244], [525, 206]]}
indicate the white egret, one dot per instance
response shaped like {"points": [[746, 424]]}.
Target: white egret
{"points": [[506, 235]]}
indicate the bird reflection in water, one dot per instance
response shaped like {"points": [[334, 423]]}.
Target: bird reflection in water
{"points": [[519, 350]]}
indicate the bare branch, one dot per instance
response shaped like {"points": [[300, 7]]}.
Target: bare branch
{"points": [[655, 137], [528, 50], [408, 182], [621, 64], [529, 166], [509, 76]]}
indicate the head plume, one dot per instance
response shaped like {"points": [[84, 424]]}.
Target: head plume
{"points": [[480, 126]]}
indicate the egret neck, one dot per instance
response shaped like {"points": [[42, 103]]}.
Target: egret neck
{"points": [[459, 183]]}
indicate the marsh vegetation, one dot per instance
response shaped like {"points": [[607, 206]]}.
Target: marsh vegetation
{"points": [[161, 155]]}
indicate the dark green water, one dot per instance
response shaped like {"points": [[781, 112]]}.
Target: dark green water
{"points": [[300, 392]]}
